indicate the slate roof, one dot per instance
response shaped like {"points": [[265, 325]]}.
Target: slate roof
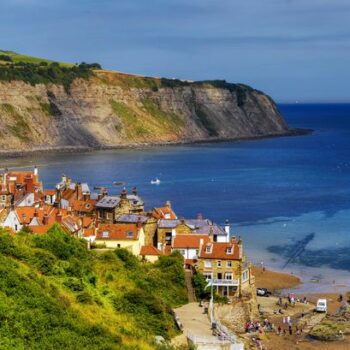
{"points": [[131, 218], [108, 202]]}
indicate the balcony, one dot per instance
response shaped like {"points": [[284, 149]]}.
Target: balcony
{"points": [[217, 282]]}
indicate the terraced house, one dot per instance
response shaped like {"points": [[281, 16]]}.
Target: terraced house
{"points": [[224, 266]]}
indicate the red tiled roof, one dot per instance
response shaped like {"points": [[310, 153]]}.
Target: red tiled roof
{"points": [[40, 230], [88, 232], [189, 241], [149, 250], [83, 206], [50, 192], [219, 251], [87, 220], [164, 213], [190, 261], [117, 232]]}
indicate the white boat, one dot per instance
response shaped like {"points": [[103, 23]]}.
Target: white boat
{"points": [[155, 182]]}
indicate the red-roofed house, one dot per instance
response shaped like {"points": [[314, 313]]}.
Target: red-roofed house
{"points": [[150, 253], [128, 236], [189, 246], [224, 266], [164, 212]]}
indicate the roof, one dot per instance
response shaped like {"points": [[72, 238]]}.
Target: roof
{"points": [[40, 230], [50, 192], [131, 218], [117, 232], [84, 206], [108, 202], [135, 199], [150, 250], [166, 223], [86, 221], [87, 232], [213, 229], [189, 241], [220, 251], [164, 213]]}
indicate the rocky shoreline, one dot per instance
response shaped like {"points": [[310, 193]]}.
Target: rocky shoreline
{"points": [[11, 153]]}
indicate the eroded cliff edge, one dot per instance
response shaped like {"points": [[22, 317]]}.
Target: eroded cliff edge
{"points": [[112, 109]]}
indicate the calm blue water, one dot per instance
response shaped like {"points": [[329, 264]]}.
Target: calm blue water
{"points": [[275, 191]]}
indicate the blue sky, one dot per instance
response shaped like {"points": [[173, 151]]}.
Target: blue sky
{"points": [[291, 49]]}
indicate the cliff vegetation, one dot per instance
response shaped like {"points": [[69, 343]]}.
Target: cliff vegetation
{"points": [[55, 294]]}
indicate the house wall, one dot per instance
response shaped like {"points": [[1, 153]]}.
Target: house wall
{"points": [[150, 229], [188, 253], [12, 222]]}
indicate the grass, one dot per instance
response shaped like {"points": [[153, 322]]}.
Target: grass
{"points": [[54, 293], [20, 128], [30, 59]]}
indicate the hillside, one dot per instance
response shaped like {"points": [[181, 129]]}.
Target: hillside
{"points": [[55, 294], [53, 106]]}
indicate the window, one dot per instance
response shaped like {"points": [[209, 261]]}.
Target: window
{"points": [[130, 234], [167, 216], [208, 249], [207, 263], [197, 252], [118, 245], [219, 263], [228, 276], [208, 275], [3, 198], [105, 234], [229, 264], [245, 275], [182, 252], [229, 250]]}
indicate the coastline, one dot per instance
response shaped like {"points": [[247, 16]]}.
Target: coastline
{"points": [[12, 153]]}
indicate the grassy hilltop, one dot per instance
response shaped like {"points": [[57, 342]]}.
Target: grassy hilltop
{"points": [[55, 294]]}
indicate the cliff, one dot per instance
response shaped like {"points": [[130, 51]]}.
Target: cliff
{"points": [[111, 109]]}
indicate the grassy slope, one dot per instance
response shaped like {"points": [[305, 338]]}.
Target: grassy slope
{"points": [[56, 294], [29, 59]]}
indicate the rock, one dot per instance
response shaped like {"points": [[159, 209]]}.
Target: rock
{"points": [[115, 110]]}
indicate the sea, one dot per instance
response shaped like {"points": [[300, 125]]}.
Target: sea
{"points": [[287, 197]]}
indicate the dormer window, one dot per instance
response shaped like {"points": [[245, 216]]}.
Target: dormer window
{"points": [[229, 250], [208, 249], [130, 234], [105, 234]]}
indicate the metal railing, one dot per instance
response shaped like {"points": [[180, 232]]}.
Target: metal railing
{"points": [[224, 282]]}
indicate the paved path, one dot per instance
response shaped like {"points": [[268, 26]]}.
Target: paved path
{"points": [[190, 290], [194, 321]]}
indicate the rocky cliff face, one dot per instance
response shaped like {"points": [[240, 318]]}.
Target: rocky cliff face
{"points": [[113, 109]]}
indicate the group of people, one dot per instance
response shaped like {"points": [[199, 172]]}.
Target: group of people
{"points": [[266, 326]]}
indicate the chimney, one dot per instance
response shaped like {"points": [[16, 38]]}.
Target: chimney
{"points": [[123, 193], [29, 184], [78, 190], [139, 223], [99, 196], [64, 178], [45, 219], [36, 171], [227, 230], [134, 191], [59, 216], [168, 204]]}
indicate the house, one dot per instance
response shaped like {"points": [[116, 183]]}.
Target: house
{"points": [[164, 212], [189, 245], [150, 253], [128, 236], [149, 224], [109, 207], [224, 265], [170, 228]]}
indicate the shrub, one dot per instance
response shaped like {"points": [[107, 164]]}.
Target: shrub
{"points": [[84, 298]]}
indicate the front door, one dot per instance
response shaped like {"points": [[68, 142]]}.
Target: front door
{"points": [[219, 276]]}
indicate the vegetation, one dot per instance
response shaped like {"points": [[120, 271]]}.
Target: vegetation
{"points": [[34, 70], [19, 127], [57, 294]]}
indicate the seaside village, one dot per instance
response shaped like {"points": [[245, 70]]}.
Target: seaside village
{"points": [[109, 222], [120, 221]]}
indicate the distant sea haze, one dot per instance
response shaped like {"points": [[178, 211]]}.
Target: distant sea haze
{"points": [[275, 191]]}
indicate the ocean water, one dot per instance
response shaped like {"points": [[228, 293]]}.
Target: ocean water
{"points": [[288, 197]]}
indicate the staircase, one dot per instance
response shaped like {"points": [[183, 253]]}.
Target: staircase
{"points": [[190, 291]]}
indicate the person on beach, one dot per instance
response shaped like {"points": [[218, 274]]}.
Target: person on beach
{"points": [[290, 330]]}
